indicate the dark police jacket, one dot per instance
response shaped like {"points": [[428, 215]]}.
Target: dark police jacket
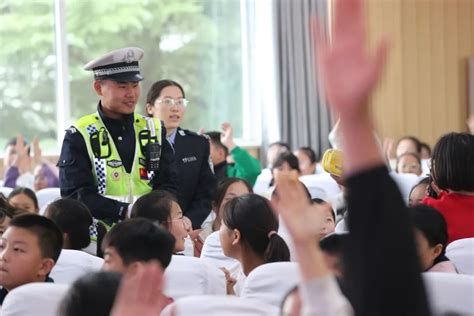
{"points": [[75, 168], [196, 181]]}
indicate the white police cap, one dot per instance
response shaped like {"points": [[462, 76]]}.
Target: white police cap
{"points": [[120, 65]]}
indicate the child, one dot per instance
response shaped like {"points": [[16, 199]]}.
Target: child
{"points": [[74, 219], [25, 199], [162, 207], [133, 242], [431, 235], [329, 224], [29, 249], [409, 163]]}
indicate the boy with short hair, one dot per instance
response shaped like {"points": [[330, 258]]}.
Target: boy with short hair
{"points": [[135, 241], [29, 249]]}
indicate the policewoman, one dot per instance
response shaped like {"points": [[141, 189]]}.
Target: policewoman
{"points": [[196, 181], [111, 157]]}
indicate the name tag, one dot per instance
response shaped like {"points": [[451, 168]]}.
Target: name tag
{"points": [[189, 159]]}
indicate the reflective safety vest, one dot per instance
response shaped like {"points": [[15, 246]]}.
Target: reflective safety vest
{"points": [[110, 176]]}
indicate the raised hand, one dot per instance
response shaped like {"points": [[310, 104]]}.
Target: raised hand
{"points": [[37, 153], [141, 292], [302, 219], [23, 160], [347, 72], [227, 136]]}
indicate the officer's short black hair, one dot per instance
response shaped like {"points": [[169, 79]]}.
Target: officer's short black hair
{"points": [[50, 237], [74, 219], [140, 239], [92, 294], [215, 138]]}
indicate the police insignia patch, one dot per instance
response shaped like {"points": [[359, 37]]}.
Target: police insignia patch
{"points": [[116, 175], [114, 163], [143, 174]]}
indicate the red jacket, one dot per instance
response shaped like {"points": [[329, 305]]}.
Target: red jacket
{"points": [[458, 210]]}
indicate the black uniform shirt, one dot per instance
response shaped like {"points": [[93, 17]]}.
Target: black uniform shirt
{"points": [[75, 168]]}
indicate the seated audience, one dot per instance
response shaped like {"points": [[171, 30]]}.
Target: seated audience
{"points": [[329, 217], [425, 152], [265, 177], [418, 192], [17, 163], [131, 243], [307, 160], [45, 177], [244, 165], [248, 233], [25, 199], [332, 247], [227, 189], [5, 219], [74, 219], [286, 165], [408, 163], [408, 144], [431, 235], [162, 207], [92, 294], [29, 249], [453, 172], [274, 150]]}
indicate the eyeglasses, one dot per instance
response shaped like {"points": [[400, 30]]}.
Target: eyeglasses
{"points": [[182, 103]]}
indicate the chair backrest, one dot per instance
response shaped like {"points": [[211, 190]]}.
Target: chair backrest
{"points": [[341, 227], [450, 293], [46, 196], [269, 283], [186, 276], [72, 264], [461, 253], [39, 299], [5, 191], [217, 305], [405, 182], [213, 253], [318, 182]]}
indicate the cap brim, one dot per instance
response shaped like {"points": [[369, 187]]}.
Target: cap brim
{"points": [[123, 77]]}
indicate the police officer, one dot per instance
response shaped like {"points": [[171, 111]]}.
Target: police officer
{"points": [[196, 181], [111, 157]]}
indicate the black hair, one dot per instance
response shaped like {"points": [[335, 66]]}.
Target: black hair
{"points": [[26, 191], [220, 193], [415, 140], [322, 202], [253, 216], [215, 138], [452, 162], [92, 294], [308, 151], [334, 245], [288, 157], [155, 206], [424, 181], [432, 225], [156, 89], [140, 239], [50, 238], [417, 157], [74, 219], [426, 146], [281, 144]]}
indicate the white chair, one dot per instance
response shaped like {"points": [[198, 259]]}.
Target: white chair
{"points": [[39, 299], [47, 196], [73, 264], [461, 253], [5, 191], [317, 182], [187, 276], [213, 253], [212, 305], [405, 182], [269, 283], [262, 184], [450, 293]]}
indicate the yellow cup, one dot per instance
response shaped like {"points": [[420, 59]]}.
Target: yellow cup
{"points": [[332, 162]]}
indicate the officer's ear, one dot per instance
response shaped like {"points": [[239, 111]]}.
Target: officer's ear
{"points": [[98, 87]]}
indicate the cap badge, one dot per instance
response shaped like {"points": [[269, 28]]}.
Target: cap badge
{"points": [[130, 57]]}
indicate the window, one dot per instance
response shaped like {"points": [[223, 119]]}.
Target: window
{"points": [[195, 42]]}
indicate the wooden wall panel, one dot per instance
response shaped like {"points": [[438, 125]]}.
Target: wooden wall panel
{"points": [[424, 89]]}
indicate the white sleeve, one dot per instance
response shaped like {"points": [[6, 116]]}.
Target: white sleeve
{"points": [[322, 296]]}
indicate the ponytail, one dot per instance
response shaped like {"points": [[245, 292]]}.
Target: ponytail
{"points": [[277, 249]]}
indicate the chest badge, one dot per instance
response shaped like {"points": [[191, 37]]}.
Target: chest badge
{"points": [[189, 159], [116, 176], [143, 173]]}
